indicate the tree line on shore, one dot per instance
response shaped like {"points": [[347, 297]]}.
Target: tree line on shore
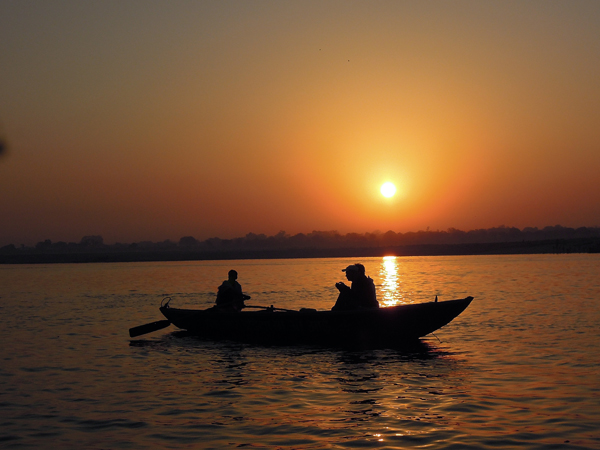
{"points": [[315, 240]]}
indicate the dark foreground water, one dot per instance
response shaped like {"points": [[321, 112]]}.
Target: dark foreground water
{"points": [[518, 369]]}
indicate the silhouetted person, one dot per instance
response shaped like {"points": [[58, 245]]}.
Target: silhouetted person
{"points": [[229, 294], [360, 295]]}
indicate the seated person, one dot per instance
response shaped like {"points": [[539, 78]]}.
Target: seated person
{"points": [[360, 295], [229, 294]]}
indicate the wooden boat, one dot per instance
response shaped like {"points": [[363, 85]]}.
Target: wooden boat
{"points": [[396, 324]]}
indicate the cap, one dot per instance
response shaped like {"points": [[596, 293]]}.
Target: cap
{"points": [[351, 268]]}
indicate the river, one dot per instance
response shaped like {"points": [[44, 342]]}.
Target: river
{"points": [[517, 369]]}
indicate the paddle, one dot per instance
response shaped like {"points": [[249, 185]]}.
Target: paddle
{"points": [[269, 307], [148, 328]]}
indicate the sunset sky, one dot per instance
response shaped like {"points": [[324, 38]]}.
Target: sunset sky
{"points": [[153, 120]]}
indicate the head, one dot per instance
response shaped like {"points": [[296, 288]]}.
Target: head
{"points": [[360, 268], [232, 275], [351, 272]]}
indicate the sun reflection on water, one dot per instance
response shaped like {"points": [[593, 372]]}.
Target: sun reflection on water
{"points": [[389, 291]]}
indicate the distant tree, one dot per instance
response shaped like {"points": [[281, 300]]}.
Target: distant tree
{"points": [[91, 241], [584, 231], [8, 248], [281, 236], [60, 245], [255, 237], [323, 239], [43, 245], [298, 240], [389, 238], [166, 244], [355, 239], [188, 241]]}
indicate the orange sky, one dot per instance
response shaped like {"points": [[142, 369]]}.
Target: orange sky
{"points": [[146, 120]]}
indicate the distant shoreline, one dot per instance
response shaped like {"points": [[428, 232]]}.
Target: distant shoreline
{"points": [[550, 246]]}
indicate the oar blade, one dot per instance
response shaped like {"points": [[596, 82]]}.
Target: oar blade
{"points": [[148, 328]]}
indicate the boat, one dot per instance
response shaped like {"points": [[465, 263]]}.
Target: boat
{"points": [[395, 324]]}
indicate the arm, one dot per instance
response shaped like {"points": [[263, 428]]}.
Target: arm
{"points": [[341, 286]]}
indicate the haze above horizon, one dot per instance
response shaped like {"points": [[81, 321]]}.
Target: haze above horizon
{"points": [[155, 120]]}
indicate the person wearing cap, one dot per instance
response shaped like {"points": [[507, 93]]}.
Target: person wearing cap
{"points": [[361, 294], [229, 294]]}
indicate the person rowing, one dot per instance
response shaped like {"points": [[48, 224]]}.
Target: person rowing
{"points": [[229, 294]]}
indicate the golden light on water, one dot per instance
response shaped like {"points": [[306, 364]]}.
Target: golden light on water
{"points": [[390, 283]]}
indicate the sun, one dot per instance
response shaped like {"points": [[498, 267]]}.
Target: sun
{"points": [[388, 189]]}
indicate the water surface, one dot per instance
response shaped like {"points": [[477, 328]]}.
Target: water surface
{"points": [[518, 369]]}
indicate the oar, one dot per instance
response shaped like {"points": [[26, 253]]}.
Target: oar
{"points": [[272, 308], [148, 328]]}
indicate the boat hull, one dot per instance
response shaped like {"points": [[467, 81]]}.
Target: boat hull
{"points": [[395, 324]]}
